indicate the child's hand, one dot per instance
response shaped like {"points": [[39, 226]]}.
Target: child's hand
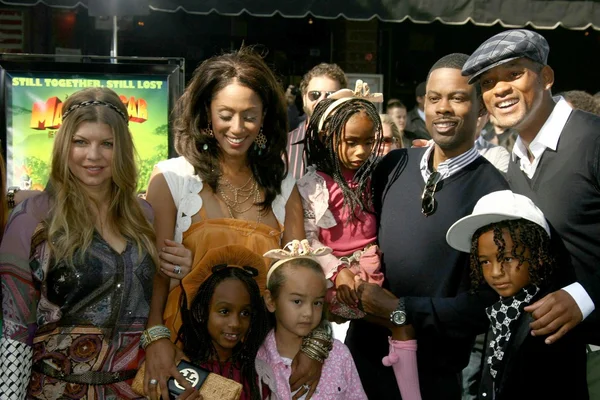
{"points": [[344, 284], [175, 260]]}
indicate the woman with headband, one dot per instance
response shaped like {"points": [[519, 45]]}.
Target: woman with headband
{"points": [[76, 264]]}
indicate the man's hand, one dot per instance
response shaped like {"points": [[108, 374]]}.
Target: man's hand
{"points": [[557, 312], [305, 376], [421, 143], [344, 284], [374, 299]]}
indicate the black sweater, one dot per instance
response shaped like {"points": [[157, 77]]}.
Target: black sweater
{"points": [[419, 265], [566, 187]]}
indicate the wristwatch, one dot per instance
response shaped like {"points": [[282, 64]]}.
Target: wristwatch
{"points": [[10, 196], [398, 316]]}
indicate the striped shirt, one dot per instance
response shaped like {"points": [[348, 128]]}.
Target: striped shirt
{"points": [[295, 151], [450, 166]]}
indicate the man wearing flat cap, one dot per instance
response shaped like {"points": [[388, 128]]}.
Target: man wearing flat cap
{"points": [[556, 163]]}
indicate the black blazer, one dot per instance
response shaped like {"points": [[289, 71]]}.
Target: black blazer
{"points": [[534, 370]]}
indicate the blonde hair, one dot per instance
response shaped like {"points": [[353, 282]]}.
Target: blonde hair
{"points": [[387, 120], [72, 216]]}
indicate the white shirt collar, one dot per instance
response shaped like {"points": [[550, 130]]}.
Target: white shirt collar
{"points": [[550, 132], [546, 138], [421, 113], [449, 167]]}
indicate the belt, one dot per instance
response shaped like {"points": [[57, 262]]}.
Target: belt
{"points": [[86, 378], [355, 257]]}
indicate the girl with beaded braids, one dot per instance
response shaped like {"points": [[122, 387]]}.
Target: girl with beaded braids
{"points": [[509, 241], [343, 141], [230, 186], [77, 263]]}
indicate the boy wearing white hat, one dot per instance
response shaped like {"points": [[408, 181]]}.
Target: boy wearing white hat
{"points": [[509, 242]]}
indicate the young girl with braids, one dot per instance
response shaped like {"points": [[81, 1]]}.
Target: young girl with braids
{"points": [[509, 241], [295, 296], [343, 140], [224, 317]]}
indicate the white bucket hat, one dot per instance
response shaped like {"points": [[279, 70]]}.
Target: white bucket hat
{"points": [[494, 207]]}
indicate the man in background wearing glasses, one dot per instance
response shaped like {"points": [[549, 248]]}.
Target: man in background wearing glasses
{"points": [[316, 85], [418, 194]]}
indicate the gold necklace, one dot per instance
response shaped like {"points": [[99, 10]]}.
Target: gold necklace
{"points": [[240, 196]]}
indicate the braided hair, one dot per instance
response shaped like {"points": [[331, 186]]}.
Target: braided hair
{"points": [[526, 235], [322, 147], [197, 342]]}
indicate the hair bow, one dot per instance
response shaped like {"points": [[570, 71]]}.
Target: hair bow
{"points": [[297, 248], [294, 250], [361, 91]]}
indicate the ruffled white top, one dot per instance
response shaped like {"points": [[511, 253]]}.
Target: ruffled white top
{"points": [[185, 187]]}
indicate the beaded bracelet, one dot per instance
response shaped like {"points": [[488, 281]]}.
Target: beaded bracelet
{"points": [[319, 342], [312, 354], [153, 334]]}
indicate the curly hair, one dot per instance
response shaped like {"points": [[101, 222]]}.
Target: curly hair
{"points": [[192, 120], [526, 235], [332, 71], [196, 340], [322, 150]]}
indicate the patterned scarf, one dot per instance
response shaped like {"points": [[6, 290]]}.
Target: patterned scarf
{"points": [[502, 316]]}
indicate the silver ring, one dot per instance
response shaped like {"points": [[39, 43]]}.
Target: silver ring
{"points": [[306, 386], [177, 269], [153, 381]]}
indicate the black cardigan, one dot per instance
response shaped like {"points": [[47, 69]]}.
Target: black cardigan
{"points": [[566, 187]]}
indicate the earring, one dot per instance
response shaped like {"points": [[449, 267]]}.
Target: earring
{"points": [[261, 141], [208, 131]]}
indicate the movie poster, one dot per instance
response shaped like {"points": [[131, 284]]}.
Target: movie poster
{"points": [[36, 115]]}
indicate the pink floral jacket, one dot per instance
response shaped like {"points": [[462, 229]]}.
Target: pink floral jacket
{"points": [[339, 378]]}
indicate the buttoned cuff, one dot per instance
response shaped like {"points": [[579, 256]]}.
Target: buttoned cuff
{"points": [[581, 297]]}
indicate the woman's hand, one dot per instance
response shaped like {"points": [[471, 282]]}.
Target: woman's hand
{"points": [[305, 376], [162, 357], [175, 260]]}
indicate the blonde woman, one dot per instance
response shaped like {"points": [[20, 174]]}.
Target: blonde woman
{"points": [[78, 261], [392, 138]]}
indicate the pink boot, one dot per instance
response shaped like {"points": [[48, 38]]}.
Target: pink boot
{"points": [[403, 359]]}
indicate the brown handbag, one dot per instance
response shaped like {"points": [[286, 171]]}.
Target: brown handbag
{"points": [[214, 387]]}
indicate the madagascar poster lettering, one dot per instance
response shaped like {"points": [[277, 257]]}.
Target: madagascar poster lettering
{"points": [[37, 107]]}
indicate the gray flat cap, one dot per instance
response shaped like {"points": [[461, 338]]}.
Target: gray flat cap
{"points": [[504, 47]]}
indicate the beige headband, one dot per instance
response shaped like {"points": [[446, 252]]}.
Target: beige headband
{"points": [[294, 250], [361, 91]]}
